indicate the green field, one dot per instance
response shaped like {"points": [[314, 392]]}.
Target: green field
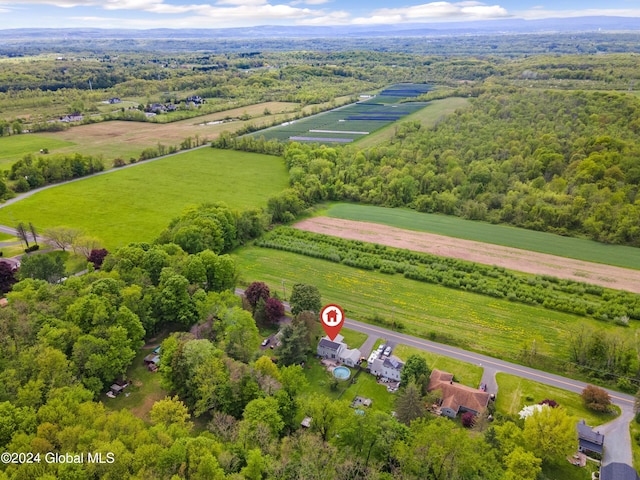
{"points": [[578, 248], [493, 326], [136, 204], [515, 392], [427, 116], [15, 147]]}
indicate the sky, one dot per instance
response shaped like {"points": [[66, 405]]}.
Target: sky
{"points": [[144, 14]]}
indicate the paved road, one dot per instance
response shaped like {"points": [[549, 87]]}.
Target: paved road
{"points": [[617, 439]]}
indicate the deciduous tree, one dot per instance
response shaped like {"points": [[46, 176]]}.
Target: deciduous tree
{"points": [[596, 398], [305, 298], [550, 434]]}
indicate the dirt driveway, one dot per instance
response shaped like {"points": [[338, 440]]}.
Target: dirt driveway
{"points": [[511, 258]]}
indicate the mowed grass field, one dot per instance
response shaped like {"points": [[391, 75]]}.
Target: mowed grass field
{"points": [[493, 326], [137, 203], [14, 147], [427, 116], [578, 248]]}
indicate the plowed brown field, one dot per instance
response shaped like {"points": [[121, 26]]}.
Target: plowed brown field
{"points": [[511, 258]]}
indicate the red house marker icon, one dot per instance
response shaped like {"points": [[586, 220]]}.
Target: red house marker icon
{"points": [[332, 319]]}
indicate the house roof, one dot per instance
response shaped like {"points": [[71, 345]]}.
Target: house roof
{"points": [[393, 362], [454, 395], [352, 354], [618, 471], [326, 343], [588, 435]]}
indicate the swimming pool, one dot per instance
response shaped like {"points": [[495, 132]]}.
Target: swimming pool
{"points": [[341, 373]]}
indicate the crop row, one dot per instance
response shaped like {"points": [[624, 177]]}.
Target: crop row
{"points": [[549, 292]]}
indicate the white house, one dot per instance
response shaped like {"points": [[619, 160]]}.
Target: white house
{"points": [[390, 368], [337, 350]]}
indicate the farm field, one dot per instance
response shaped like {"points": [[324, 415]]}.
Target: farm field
{"points": [[122, 139], [126, 206], [15, 147], [497, 327], [479, 252], [578, 248], [427, 116], [351, 122]]}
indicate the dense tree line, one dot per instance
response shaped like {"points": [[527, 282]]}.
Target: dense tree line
{"points": [[36, 171]]}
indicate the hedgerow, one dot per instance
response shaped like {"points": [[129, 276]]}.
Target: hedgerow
{"points": [[549, 292]]}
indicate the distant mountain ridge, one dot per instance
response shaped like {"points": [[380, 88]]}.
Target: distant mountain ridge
{"points": [[505, 26]]}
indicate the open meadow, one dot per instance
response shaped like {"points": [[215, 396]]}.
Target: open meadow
{"points": [[127, 139], [578, 248], [123, 139], [15, 147], [497, 327], [136, 204]]}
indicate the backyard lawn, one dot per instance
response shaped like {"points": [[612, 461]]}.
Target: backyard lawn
{"points": [[515, 392], [143, 392]]}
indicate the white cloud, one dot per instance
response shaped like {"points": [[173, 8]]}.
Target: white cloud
{"points": [[333, 18], [241, 2], [434, 11], [539, 12], [315, 2]]}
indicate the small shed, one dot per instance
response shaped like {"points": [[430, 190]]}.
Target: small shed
{"points": [[306, 422]]}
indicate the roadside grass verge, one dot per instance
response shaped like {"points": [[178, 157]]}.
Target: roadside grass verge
{"points": [[516, 392], [570, 247], [352, 338], [476, 322], [136, 204], [634, 430], [428, 116], [464, 373]]}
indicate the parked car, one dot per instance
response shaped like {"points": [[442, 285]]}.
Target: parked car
{"points": [[265, 342], [381, 348], [387, 351]]}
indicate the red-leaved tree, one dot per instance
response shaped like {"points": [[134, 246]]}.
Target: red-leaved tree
{"points": [[468, 419], [97, 256], [274, 310], [255, 292]]}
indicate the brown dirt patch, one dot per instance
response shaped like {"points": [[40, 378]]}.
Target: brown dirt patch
{"points": [[511, 258]]}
